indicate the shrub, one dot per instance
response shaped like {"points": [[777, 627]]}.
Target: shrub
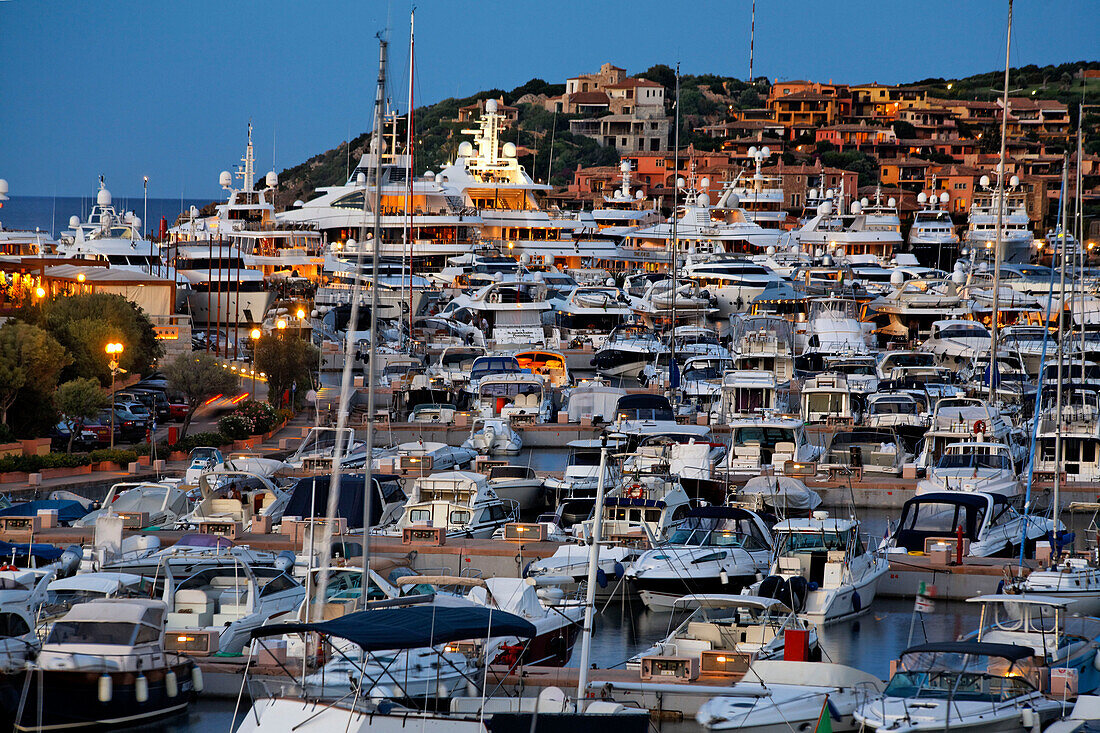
{"points": [[34, 464], [6, 434], [186, 445], [114, 455], [236, 426], [263, 416]]}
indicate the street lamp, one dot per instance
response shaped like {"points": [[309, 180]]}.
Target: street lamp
{"points": [[255, 334], [281, 324], [114, 353]]}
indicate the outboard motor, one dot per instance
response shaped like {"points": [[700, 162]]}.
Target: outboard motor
{"points": [[285, 561], [771, 585], [69, 561]]}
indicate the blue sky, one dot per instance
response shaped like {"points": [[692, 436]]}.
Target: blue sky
{"points": [[132, 87]]}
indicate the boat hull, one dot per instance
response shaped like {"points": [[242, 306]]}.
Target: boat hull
{"points": [[69, 700]]}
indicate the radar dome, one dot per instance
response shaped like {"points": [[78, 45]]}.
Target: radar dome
{"points": [[498, 276], [491, 106], [959, 266], [225, 180], [998, 168], [272, 179], [1014, 181], [135, 222], [922, 198], [825, 208], [465, 149], [892, 202], [705, 183], [856, 207], [509, 150], [983, 267], [766, 151], [429, 175], [704, 200], [752, 150], [74, 222], [639, 194], [865, 201], [813, 193], [3, 189], [771, 251], [525, 259], [298, 203], [350, 243], [827, 261], [829, 193], [897, 278], [945, 197], [984, 181], [734, 201], [624, 166], [958, 277], [679, 183], [539, 277], [361, 179], [609, 282], [194, 211], [103, 198]]}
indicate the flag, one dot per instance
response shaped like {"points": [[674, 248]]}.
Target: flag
{"points": [[673, 374], [824, 720]]}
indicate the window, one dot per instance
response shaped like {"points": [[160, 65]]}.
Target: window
{"points": [[277, 585], [420, 516], [12, 624], [624, 143], [147, 635], [460, 517]]}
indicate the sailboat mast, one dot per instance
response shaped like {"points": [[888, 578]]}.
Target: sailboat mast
{"points": [[995, 328], [409, 172], [1061, 357], [674, 255], [372, 361], [1079, 222]]}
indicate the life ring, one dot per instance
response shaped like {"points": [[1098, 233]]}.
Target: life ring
{"points": [[4, 568], [635, 491], [979, 426], [494, 298]]}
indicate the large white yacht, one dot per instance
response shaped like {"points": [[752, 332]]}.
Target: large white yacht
{"points": [[112, 237], [761, 197], [861, 228], [1017, 241], [247, 223]]}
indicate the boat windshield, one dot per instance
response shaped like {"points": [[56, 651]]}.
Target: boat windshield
{"points": [[971, 686], [996, 461], [101, 632], [894, 406], [765, 437], [815, 541], [960, 331]]}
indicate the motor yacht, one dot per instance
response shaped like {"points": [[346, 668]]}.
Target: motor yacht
{"points": [[580, 481], [521, 397], [235, 496], [507, 312], [627, 350], [870, 450], [731, 283], [967, 419], [154, 504], [102, 665], [768, 443], [460, 502], [932, 237], [991, 526], [960, 685], [1016, 240], [763, 343], [590, 313], [742, 628], [713, 549], [492, 436], [828, 398], [973, 466], [844, 230], [823, 569]]}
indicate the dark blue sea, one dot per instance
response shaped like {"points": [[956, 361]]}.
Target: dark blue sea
{"points": [[51, 214]]}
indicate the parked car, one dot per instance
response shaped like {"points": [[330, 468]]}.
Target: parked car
{"points": [[154, 399], [129, 428], [140, 411], [89, 437], [178, 410], [156, 380]]}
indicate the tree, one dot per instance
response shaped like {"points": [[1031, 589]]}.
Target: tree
{"points": [[288, 360], [748, 99], [660, 73], [79, 400], [85, 323], [30, 359], [198, 377]]}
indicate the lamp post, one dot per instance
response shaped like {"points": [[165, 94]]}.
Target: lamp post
{"points": [[114, 353], [255, 334], [301, 314]]}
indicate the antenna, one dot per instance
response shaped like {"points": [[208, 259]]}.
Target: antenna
{"points": [[752, 38]]}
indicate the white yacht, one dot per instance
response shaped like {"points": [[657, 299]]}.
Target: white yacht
{"points": [[768, 442], [956, 342], [761, 197], [957, 685], [719, 549], [460, 502], [627, 351], [823, 569], [590, 312], [973, 466], [1017, 241], [865, 228], [507, 312], [989, 522], [114, 238], [732, 283]]}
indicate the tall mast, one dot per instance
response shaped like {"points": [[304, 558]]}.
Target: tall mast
{"points": [[409, 172], [674, 255], [994, 331], [752, 38], [1079, 222], [349, 357], [1061, 356]]}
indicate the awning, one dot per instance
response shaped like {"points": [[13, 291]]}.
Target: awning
{"points": [[408, 628]]}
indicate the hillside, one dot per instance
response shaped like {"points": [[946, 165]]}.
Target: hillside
{"points": [[705, 99]]}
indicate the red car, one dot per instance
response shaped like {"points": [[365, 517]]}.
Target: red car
{"points": [[177, 411]]}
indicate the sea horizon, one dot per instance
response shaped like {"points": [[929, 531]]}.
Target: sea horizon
{"points": [[51, 213]]}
